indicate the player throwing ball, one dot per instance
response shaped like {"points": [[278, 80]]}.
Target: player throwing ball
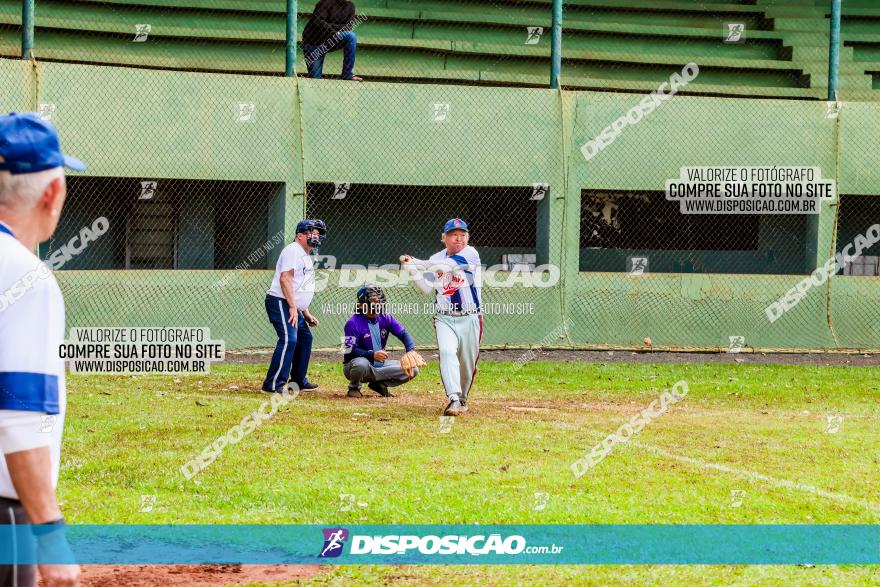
{"points": [[454, 276]]}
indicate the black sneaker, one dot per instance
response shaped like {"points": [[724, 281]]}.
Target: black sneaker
{"points": [[308, 386], [380, 388], [352, 392], [453, 409]]}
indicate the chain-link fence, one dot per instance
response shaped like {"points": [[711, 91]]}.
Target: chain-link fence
{"points": [[12, 78], [386, 171], [196, 180], [164, 224], [641, 232], [10, 29], [858, 265], [373, 225]]}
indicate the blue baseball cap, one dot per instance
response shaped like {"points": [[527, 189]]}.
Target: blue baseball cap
{"points": [[455, 224], [29, 144]]}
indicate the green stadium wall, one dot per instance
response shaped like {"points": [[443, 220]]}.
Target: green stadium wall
{"points": [[151, 124]]}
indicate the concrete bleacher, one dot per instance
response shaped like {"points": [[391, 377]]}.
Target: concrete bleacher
{"points": [[860, 29], [607, 44], [804, 26]]}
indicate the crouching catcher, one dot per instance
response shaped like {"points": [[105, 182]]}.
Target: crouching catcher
{"points": [[366, 334]]}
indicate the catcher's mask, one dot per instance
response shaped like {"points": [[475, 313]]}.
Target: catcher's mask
{"points": [[371, 297], [310, 224]]}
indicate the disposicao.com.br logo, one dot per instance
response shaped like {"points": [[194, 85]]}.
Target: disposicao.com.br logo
{"points": [[334, 541], [493, 544]]}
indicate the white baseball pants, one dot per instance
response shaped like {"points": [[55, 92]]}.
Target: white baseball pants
{"points": [[458, 338]]}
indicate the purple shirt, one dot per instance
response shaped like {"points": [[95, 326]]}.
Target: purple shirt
{"points": [[359, 336]]}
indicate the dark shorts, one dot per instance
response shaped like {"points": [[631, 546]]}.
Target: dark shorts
{"points": [[12, 514]]}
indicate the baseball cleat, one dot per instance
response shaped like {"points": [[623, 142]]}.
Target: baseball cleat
{"points": [[453, 409], [309, 386], [464, 407], [354, 392], [380, 388]]}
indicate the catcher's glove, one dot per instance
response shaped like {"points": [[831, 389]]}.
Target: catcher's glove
{"points": [[410, 361]]}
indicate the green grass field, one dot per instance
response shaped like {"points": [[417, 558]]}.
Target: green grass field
{"points": [[749, 444]]}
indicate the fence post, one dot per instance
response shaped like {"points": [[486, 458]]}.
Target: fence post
{"points": [[27, 28], [834, 52], [556, 44], [290, 56]]}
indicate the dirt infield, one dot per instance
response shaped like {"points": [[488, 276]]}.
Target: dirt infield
{"points": [[564, 355], [191, 575]]}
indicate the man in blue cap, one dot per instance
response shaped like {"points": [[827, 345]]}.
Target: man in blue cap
{"points": [[454, 277], [32, 384]]}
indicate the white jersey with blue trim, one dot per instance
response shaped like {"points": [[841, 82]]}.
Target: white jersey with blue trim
{"points": [[31, 331], [458, 280]]}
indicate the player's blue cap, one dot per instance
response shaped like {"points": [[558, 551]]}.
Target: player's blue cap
{"points": [[29, 144], [455, 224]]}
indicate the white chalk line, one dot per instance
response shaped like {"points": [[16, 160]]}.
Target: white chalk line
{"points": [[782, 483]]}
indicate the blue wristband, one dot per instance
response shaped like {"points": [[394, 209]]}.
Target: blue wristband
{"points": [[47, 527]]}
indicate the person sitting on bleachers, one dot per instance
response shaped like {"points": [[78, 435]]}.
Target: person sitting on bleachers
{"points": [[329, 29]]}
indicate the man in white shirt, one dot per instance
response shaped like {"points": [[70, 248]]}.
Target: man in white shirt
{"points": [[454, 276], [287, 305], [32, 384]]}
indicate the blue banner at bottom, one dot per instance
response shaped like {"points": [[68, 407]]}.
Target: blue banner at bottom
{"points": [[442, 544]]}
